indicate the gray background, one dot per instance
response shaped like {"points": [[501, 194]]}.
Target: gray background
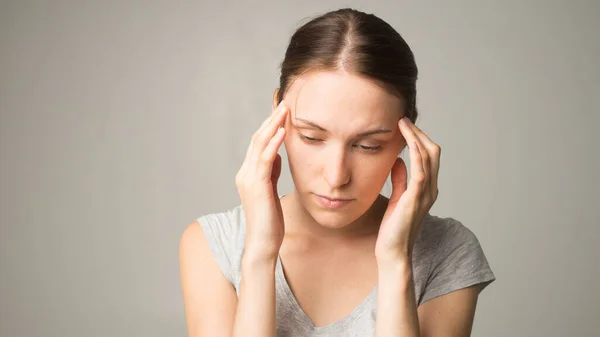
{"points": [[122, 121]]}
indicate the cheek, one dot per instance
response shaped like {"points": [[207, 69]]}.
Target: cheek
{"points": [[300, 156], [369, 172], [375, 170]]}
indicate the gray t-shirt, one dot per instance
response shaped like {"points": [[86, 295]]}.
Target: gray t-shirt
{"points": [[447, 256]]}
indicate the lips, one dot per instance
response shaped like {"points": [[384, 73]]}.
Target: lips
{"points": [[332, 203], [333, 199]]}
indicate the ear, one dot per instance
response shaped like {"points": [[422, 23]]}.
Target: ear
{"points": [[275, 94]]}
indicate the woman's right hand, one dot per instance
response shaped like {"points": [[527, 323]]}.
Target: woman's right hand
{"points": [[256, 182]]}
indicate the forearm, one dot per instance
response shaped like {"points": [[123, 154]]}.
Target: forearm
{"points": [[255, 314], [396, 304]]}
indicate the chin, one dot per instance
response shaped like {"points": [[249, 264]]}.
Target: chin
{"points": [[334, 219]]}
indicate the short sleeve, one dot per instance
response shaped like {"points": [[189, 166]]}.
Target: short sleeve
{"points": [[222, 232], [459, 262]]}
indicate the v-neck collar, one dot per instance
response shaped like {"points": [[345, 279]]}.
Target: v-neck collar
{"points": [[341, 324]]}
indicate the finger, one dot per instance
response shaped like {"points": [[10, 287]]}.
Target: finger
{"points": [[422, 150], [433, 153], [267, 157], [418, 177], [267, 133], [271, 116], [254, 135], [261, 129], [399, 178]]}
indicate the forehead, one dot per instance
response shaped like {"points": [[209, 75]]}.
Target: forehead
{"points": [[334, 93]]}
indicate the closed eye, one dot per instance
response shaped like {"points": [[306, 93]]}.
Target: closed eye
{"points": [[362, 147], [369, 148], [312, 140]]}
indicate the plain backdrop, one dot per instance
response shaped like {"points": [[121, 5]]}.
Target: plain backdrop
{"points": [[123, 121]]}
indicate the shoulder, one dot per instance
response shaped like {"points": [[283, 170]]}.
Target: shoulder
{"points": [[453, 257], [224, 224], [223, 235], [446, 240], [444, 231], [231, 217]]}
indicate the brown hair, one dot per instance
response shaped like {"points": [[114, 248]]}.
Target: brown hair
{"points": [[355, 42]]}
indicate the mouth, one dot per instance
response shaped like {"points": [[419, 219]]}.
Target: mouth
{"points": [[332, 203]]}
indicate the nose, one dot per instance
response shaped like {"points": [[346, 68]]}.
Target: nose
{"points": [[336, 170]]}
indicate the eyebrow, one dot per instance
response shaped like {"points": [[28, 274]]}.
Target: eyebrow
{"points": [[362, 134]]}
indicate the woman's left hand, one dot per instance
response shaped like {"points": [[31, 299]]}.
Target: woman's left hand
{"points": [[408, 205]]}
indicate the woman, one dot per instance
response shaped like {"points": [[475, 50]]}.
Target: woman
{"points": [[334, 257]]}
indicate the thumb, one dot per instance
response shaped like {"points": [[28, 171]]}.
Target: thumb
{"points": [[399, 180]]}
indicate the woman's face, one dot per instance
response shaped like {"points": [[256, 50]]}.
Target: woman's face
{"points": [[342, 140]]}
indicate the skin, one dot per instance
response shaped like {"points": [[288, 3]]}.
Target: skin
{"points": [[337, 162], [368, 241]]}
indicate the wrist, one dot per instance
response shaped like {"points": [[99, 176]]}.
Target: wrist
{"points": [[394, 264], [261, 250], [396, 257], [253, 259]]}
